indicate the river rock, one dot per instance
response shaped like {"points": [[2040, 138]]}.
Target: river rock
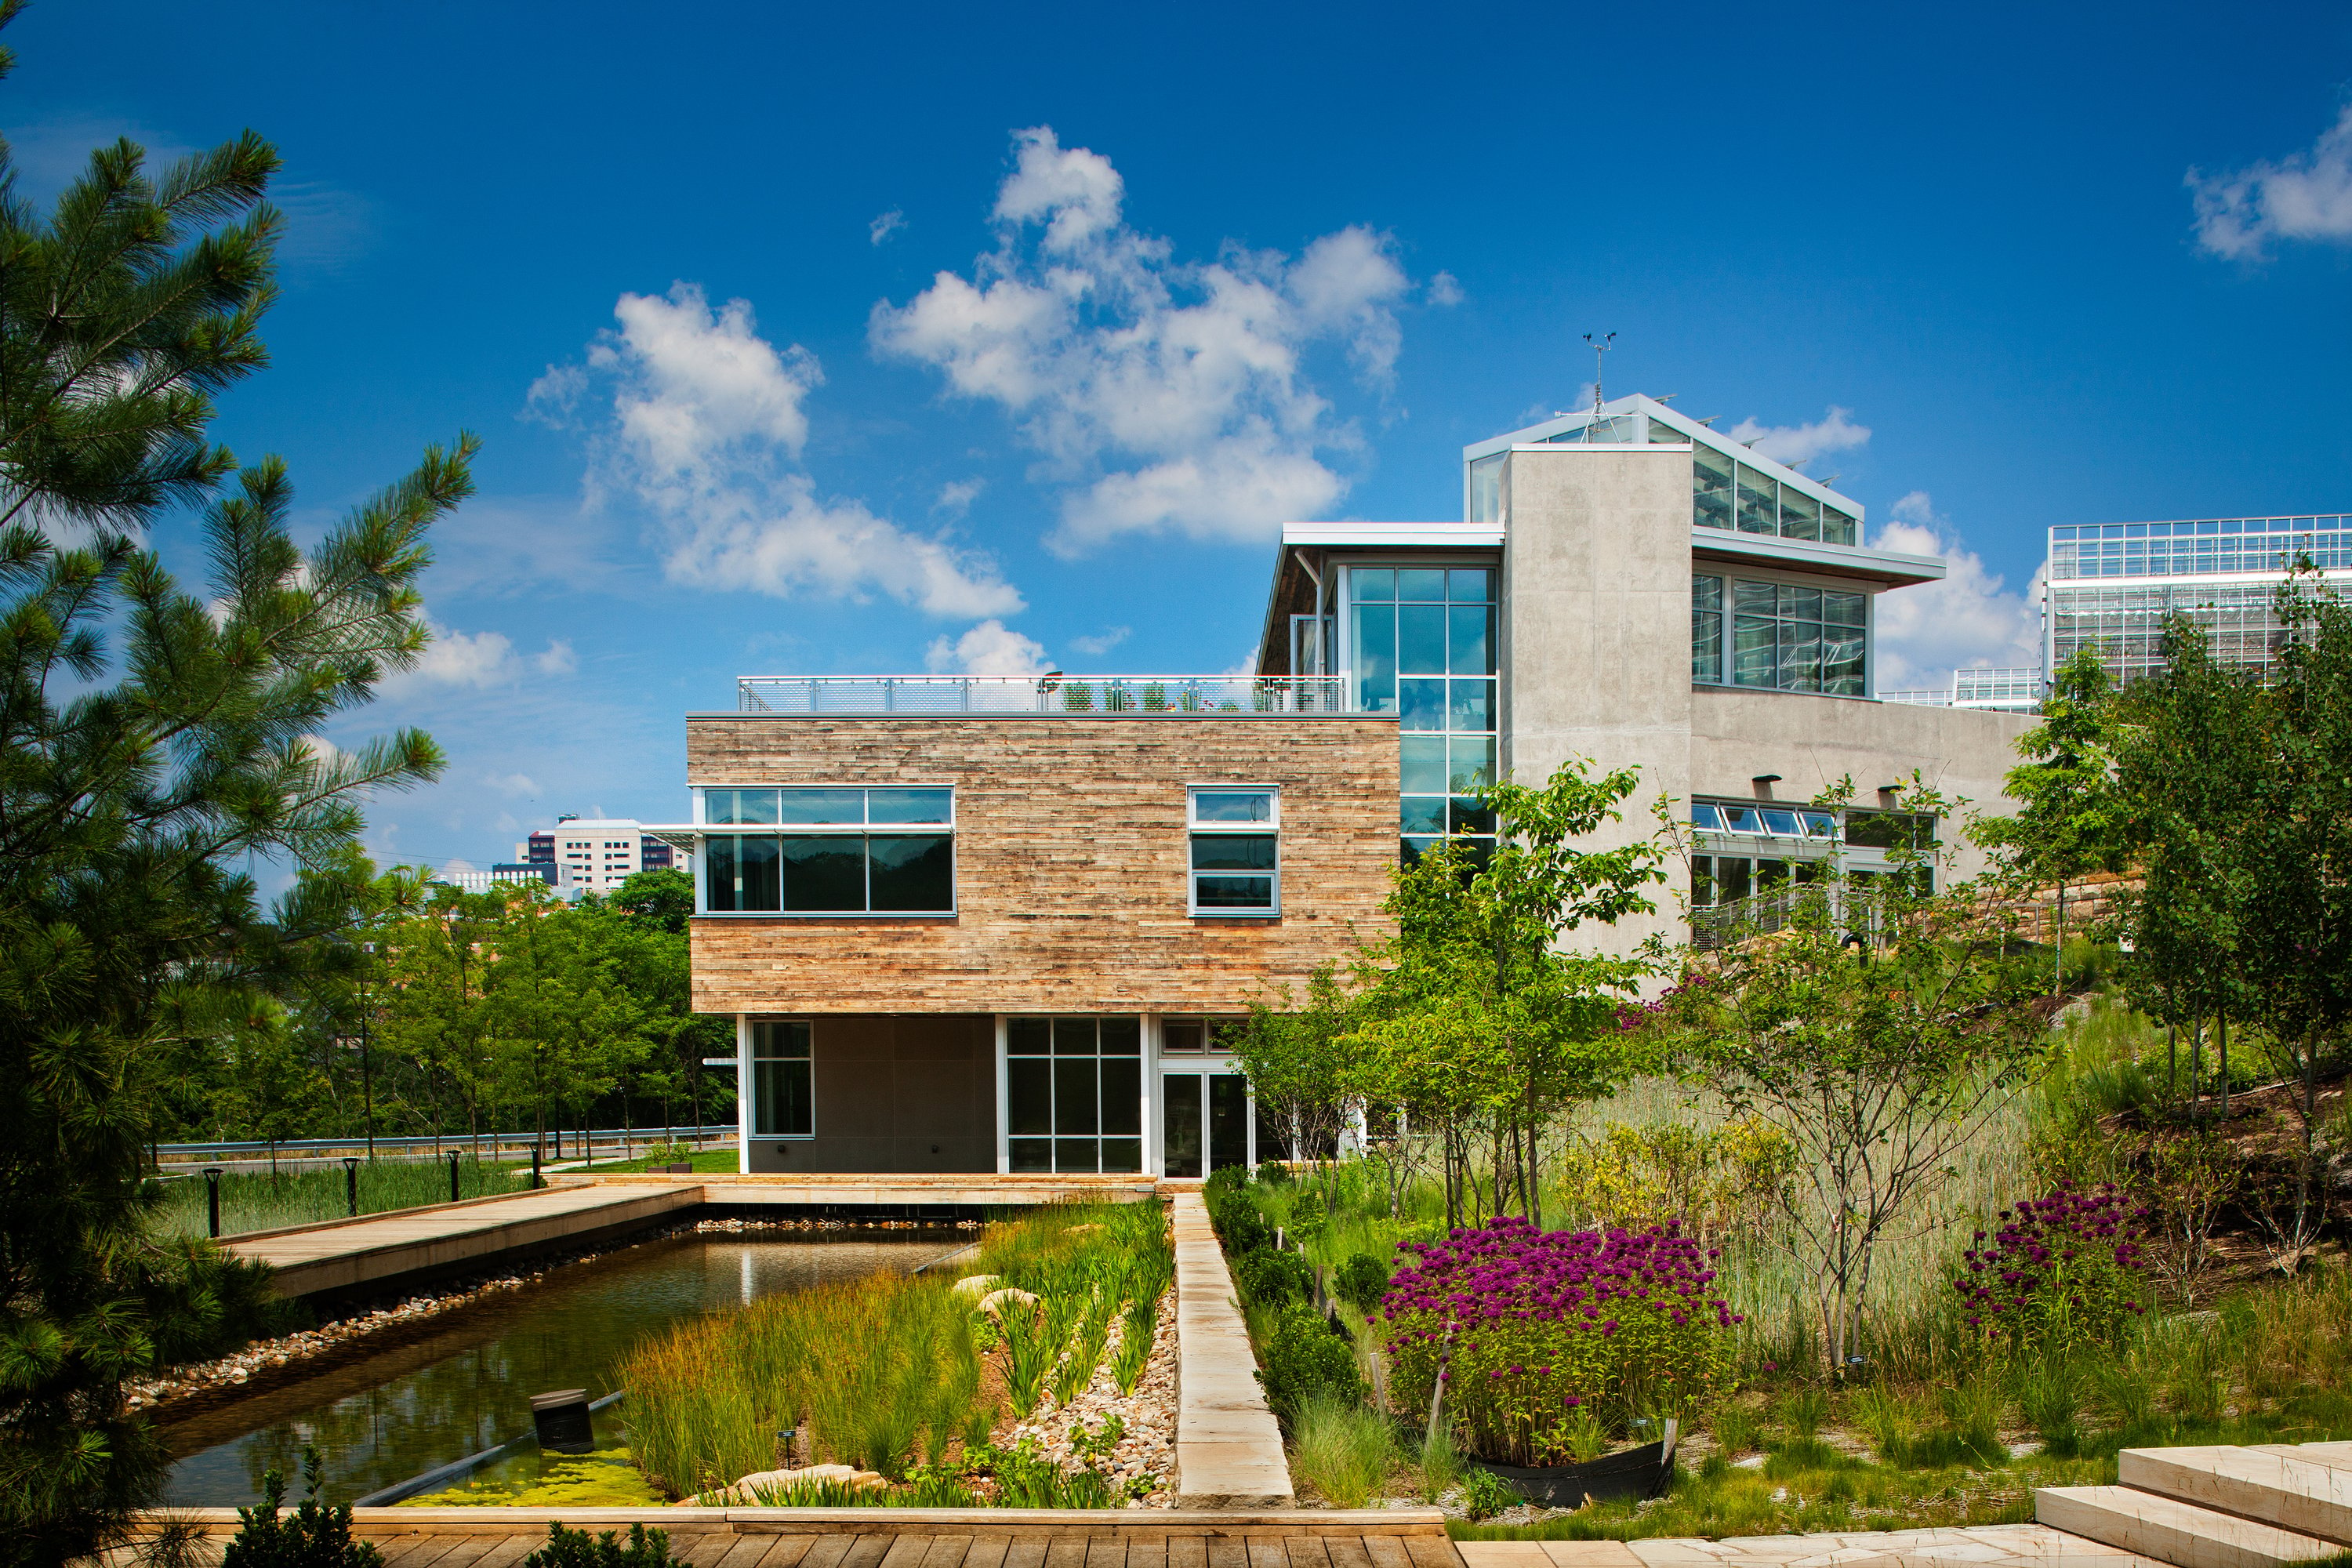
{"points": [[994, 1303], [745, 1492], [971, 1285]]}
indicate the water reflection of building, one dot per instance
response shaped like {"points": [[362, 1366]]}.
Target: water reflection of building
{"points": [[975, 924]]}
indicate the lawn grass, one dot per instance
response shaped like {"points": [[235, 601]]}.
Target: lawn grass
{"points": [[708, 1162], [256, 1200]]}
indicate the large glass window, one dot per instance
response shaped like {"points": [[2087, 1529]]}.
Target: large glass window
{"points": [[784, 1091], [849, 851], [1706, 629], [1074, 1094], [1426, 635], [1710, 486], [1236, 850], [1786, 637], [1729, 494]]}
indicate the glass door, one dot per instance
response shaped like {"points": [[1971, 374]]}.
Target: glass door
{"points": [[1204, 1113]]}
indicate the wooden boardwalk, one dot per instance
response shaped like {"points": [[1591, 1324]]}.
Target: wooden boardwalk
{"points": [[377, 1249], [909, 1538]]}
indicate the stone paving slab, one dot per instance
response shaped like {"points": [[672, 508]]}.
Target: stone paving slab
{"points": [[2000, 1546], [1228, 1449]]}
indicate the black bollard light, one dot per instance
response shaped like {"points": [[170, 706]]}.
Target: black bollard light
{"points": [[453, 1175], [212, 1198], [351, 1182], [535, 1183]]}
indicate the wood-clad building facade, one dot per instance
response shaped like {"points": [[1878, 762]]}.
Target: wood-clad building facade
{"points": [[1008, 942]]}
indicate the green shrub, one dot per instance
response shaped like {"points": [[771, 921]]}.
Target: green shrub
{"points": [[1269, 1279], [312, 1536], [1304, 1360], [1239, 1225], [577, 1549], [1363, 1280], [1272, 1173], [1486, 1494]]}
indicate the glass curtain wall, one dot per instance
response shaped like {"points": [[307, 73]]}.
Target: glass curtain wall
{"points": [[1074, 1094], [1421, 646], [1728, 493], [1782, 637]]}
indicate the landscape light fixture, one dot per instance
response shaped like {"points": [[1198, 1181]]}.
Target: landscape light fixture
{"points": [[351, 1182], [212, 1198]]}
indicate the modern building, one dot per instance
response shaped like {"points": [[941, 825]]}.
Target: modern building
{"points": [[2110, 586], [989, 923], [597, 853], [2015, 690], [468, 878]]}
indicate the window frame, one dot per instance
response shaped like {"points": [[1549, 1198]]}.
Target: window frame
{"points": [[863, 831], [1733, 577], [1196, 829], [751, 1027]]}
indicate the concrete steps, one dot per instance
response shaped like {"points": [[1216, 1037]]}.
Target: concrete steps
{"points": [[2216, 1507]]}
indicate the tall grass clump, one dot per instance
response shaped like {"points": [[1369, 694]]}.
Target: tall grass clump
{"points": [[874, 1365], [1343, 1451]]}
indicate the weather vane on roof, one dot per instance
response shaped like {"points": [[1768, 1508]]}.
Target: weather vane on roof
{"points": [[1599, 341]]}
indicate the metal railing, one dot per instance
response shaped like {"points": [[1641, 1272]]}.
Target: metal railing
{"points": [[1169, 696], [410, 1148], [2020, 689]]}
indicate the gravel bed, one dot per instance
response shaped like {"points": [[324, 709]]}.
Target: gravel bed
{"points": [[1149, 1445]]}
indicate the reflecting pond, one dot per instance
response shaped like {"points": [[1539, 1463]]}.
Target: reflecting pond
{"points": [[467, 1384]]}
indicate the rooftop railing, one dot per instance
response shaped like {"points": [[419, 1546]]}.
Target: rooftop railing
{"points": [[2018, 688], [1172, 696]]}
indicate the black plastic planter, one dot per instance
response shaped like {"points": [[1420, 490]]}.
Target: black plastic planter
{"points": [[1632, 1475]]}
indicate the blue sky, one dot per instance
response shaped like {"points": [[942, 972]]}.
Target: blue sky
{"points": [[1049, 315]]}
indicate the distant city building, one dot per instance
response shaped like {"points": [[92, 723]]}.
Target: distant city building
{"points": [[598, 853], [467, 879], [2110, 585]]}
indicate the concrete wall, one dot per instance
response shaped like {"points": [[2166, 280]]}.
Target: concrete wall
{"points": [[896, 1093], [1594, 648], [1595, 641], [1812, 741]]}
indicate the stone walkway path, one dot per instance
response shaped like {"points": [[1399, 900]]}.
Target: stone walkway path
{"points": [[1990, 1545]]}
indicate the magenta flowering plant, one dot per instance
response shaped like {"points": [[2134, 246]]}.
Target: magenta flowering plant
{"points": [[1529, 1328], [2058, 1271]]}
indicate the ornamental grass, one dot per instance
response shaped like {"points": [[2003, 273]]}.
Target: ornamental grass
{"points": [[1530, 1329], [887, 1370]]}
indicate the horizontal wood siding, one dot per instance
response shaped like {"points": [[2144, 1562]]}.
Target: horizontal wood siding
{"points": [[1071, 859]]}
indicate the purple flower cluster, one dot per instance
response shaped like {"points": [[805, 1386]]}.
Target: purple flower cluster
{"points": [[1524, 1326], [2078, 1252], [1508, 1270]]}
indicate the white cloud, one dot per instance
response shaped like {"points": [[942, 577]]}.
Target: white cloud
{"points": [[1168, 395], [883, 227], [515, 784], [1966, 621], [957, 496], [989, 648], [2304, 195], [479, 660], [706, 430], [1095, 647], [1444, 290], [1795, 444]]}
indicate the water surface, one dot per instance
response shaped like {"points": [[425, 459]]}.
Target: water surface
{"points": [[467, 1384]]}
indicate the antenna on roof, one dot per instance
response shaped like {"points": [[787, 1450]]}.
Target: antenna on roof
{"points": [[1600, 342]]}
